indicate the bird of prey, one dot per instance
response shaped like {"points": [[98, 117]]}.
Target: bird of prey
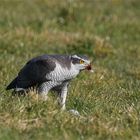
{"points": [[50, 72]]}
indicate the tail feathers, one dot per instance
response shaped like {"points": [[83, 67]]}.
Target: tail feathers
{"points": [[12, 84]]}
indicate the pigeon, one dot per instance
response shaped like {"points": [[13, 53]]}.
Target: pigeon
{"points": [[50, 72]]}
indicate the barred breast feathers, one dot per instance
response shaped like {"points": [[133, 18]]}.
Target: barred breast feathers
{"points": [[61, 74]]}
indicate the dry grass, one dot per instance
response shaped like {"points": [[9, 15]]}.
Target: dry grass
{"points": [[108, 100]]}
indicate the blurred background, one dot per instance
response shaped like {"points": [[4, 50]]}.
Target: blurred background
{"points": [[108, 31]]}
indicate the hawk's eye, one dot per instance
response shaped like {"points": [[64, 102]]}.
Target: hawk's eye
{"points": [[81, 61]]}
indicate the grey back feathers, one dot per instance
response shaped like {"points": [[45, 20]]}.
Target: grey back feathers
{"points": [[33, 73]]}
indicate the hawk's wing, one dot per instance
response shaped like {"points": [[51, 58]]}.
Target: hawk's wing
{"points": [[33, 73]]}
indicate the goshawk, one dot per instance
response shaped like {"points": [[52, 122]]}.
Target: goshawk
{"points": [[50, 72]]}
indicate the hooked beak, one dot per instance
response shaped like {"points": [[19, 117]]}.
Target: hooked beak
{"points": [[89, 68]]}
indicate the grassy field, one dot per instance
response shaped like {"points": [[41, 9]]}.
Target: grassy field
{"points": [[108, 31]]}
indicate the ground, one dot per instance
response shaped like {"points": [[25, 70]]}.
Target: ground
{"points": [[108, 99]]}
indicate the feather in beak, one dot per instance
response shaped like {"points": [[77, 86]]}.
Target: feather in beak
{"points": [[89, 68]]}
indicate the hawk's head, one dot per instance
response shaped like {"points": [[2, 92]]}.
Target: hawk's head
{"points": [[81, 62]]}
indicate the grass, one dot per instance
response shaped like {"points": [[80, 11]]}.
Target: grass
{"points": [[109, 99]]}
